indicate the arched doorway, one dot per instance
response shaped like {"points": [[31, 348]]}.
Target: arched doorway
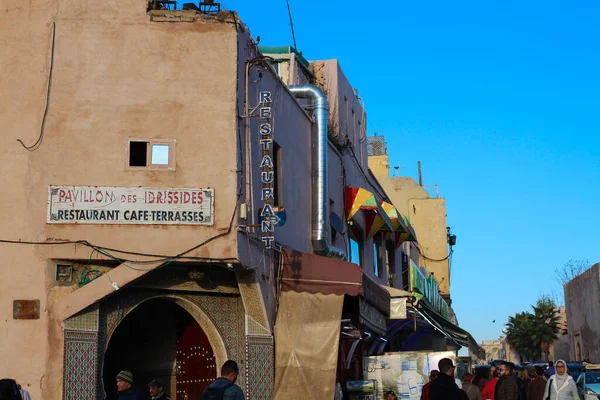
{"points": [[160, 340]]}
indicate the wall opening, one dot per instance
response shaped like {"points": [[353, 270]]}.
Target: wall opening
{"points": [[160, 340], [151, 154]]}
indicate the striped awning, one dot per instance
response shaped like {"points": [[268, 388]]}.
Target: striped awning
{"points": [[394, 216], [403, 230], [379, 217], [411, 236], [375, 216]]}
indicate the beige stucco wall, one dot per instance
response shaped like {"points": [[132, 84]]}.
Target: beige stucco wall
{"points": [[427, 216], [115, 75], [379, 165]]}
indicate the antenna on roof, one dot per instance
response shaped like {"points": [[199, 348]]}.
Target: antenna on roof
{"points": [[291, 24]]}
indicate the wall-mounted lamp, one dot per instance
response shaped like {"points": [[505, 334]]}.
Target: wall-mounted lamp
{"points": [[451, 237]]}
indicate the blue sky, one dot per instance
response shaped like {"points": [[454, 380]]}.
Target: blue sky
{"points": [[499, 101]]}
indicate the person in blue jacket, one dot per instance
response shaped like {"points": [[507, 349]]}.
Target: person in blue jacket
{"points": [[125, 388], [224, 387]]}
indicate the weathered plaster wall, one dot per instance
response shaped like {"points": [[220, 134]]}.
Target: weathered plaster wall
{"points": [[582, 298], [347, 117], [115, 75], [291, 131], [347, 130], [561, 347], [427, 216]]}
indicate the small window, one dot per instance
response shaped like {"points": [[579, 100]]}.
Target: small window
{"points": [[354, 127], [151, 154], [346, 114], [377, 256], [391, 259], [355, 252], [405, 272], [355, 241]]}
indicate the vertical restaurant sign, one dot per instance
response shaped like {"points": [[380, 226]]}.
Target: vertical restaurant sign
{"points": [[130, 205], [267, 218]]}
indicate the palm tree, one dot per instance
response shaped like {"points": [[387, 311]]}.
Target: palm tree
{"points": [[520, 334], [547, 324]]}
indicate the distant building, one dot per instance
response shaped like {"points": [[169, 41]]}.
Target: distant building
{"points": [[376, 145], [560, 348], [494, 350], [426, 213], [501, 349], [582, 296]]}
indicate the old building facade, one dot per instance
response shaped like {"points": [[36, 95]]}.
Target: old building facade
{"points": [[180, 197], [582, 294], [173, 199]]}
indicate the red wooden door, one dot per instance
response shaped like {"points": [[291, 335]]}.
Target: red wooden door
{"points": [[196, 367]]}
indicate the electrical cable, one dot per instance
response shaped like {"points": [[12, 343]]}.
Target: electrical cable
{"points": [[382, 195], [85, 278], [51, 67], [433, 259], [167, 259], [96, 247]]}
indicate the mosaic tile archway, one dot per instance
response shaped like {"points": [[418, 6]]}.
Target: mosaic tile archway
{"points": [[87, 335]]}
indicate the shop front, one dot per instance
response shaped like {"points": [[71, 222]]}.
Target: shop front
{"points": [[323, 302]]}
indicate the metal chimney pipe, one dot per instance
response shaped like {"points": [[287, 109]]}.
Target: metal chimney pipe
{"points": [[320, 179]]}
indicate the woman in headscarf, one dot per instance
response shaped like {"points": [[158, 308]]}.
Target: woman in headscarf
{"points": [[561, 386]]}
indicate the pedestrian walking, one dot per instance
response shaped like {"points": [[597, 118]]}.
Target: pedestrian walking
{"points": [[11, 390], [523, 381], [540, 372], [156, 389], [470, 388], [507, 387], [444, 387], [482, 376], [493, 372], [561, 386], [224, 388], [432, 377], [550, 370], [391, 395], [125, 387], [537, 384], [489, 389]]}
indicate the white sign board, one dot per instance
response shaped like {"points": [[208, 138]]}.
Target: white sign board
{"points": [[130, 205]]}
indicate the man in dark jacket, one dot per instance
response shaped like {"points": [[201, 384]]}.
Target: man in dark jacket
{"points": [[507, 387], [156, 389], [126, 391], [224, 387], [444, 387], [537, 385]]}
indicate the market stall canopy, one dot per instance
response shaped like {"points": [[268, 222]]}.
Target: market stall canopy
{"points": [[398, 311], [305, 272], [451, 331], [308, 325], [398, 301]]}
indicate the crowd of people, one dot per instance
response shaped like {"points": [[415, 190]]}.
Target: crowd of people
{"points": [[224, 388], [493, 383], [501, 383]]}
